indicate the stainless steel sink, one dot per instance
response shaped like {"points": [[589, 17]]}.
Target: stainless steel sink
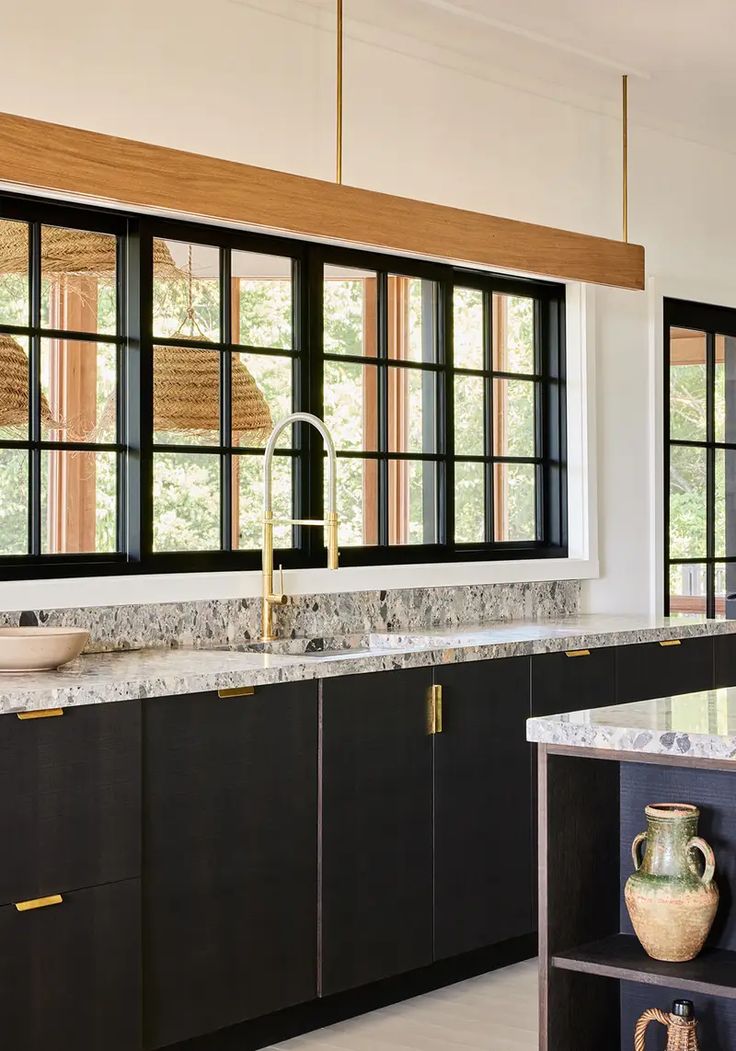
{"points": [[320, 646]]}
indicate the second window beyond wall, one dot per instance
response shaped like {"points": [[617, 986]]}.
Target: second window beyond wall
{"points": [[159, 355]]}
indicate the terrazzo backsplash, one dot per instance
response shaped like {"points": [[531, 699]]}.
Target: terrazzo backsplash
{"points": [[224, 621]]}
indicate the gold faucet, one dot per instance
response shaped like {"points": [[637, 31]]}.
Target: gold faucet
{"points": [[330, 522]]}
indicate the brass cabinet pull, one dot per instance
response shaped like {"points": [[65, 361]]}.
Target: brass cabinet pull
{"points": [[237, 691], [42, 713], [38, 903], [434, 710], [577, 653], [670, 642]]}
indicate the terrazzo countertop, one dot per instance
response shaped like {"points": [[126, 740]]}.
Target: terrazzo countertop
{"points": [[697, 725], [101, 677]]}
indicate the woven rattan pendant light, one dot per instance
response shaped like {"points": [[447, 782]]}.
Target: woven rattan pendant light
{"points": [[73, 252], [14, 389], [186, 387]]}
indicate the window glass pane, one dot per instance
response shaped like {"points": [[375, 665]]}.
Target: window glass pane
{"points": [[357, 501], [412, 411], [725, 585], [351, 404], [78, 280], [262, 300], [687, 384], [186, 290], [688, 588], [78, 391], [513, 424], [412, 502], [725, 389], [725, 503], [248, 501], [514, 494], [14, 298], [13, 502], [186, 396], [412, 332], [14, 405], [469, 415], [513, 334], [186, 502], [470, 520], [468, 328], [349, 311], [262, 396], [78, 501], [687, 502]]}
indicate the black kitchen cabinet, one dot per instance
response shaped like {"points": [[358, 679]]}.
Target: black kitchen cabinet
{"points": [[484, 883], [70, 800], [572, 680], [376, 827], [724, 648], [230, 858], [662, 669], [70, 973]]}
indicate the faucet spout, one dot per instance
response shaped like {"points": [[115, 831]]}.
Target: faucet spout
{"points": [[330, 522]]}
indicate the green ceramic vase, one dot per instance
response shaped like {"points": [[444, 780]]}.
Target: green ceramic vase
{"points": [[671, 897]]}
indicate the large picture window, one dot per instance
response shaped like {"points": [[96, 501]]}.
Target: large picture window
{"points": [[145, 361], [700, 458]]}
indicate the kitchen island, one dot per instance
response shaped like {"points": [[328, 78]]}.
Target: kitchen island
{"points": [[598, 769]]}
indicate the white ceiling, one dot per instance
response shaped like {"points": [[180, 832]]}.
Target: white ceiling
{"points": [[680, 55]]}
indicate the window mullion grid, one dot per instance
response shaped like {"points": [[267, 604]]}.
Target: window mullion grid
{"points": [[226, 436], [710, 480], [383, 407], [446, 435], [488, 418], [312, 456], [34, 388], [541, 399], [121, 422]]}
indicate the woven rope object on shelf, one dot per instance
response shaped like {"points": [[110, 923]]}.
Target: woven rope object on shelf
{"points": [[14, 389], [186, 394], [681, 1034], [65, 251]]}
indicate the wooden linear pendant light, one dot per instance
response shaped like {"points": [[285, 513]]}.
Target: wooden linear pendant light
{"points": [[124, 172]]}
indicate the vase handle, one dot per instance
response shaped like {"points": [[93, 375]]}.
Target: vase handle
{"points": [[638, 840], [697, 843]]}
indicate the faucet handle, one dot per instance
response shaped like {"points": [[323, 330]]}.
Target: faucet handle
{"points": [[281, 596]]}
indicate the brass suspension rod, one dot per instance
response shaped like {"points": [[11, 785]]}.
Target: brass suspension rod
{"points": [[339, 78], [625, 153]]}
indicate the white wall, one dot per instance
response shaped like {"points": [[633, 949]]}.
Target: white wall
{"points": [[254, 81]]}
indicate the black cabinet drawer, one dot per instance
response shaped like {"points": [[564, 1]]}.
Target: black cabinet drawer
{"points": [[725, 659], [70, 973], [662, 669], [573, 680], [69, 800]]}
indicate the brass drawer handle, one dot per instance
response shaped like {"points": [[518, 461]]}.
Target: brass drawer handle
{"points": [[38, 903], [237, 691], [577, 653], [434, 710], [670, 642], [42, 713]]}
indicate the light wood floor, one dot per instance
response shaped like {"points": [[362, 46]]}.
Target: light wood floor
{"points": [[495, 1012]]}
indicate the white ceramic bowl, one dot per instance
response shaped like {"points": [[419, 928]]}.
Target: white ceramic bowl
{"points": [[39, 649]]}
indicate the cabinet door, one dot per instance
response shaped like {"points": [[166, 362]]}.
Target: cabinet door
{"points": [[376, 827], [483, 841], [725, 660], [69, 799], [652, 669], [230, 858], [70, 973], [573, 680]]}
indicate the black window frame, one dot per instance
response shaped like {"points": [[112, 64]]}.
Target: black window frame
{"points": [[713, 321], [135, 385]]}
